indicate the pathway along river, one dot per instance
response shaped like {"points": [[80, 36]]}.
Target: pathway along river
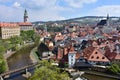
{"points": [[19, 59]]}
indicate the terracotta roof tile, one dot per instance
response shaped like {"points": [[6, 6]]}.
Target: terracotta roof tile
{"points": [[88, 51], [78, 55], [94, 54], [117, 56], [7, 24]]}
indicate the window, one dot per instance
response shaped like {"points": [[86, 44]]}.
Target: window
{"points": [[96, 52], [71, 59], [71, 55], [71, 62], [107, 43], [103, 57], [97, 57], [92, 57]]}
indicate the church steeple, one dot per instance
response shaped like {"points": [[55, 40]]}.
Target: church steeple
{"points": [[25, 16], [107, 16], [107, 20]]}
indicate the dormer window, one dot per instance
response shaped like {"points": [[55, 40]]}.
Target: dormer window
{"points": [[92, 57], [106, 42], [97, 57], [96, 52], [103, 57]]}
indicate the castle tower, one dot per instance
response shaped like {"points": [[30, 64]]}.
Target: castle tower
{"points": [[25, 16]]}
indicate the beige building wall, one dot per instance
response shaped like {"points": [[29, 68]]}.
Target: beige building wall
{"points": [[25, 26]]}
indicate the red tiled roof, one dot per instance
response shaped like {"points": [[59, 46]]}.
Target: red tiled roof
{"points": [[113, 55], [88, 51], [7, 24], [71, 49], [78, 55], [117, 56], [24, 23], [93, 54]]}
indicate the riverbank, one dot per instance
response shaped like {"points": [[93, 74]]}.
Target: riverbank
{"points": [[20, 58], [33, 55], [11, 53]]}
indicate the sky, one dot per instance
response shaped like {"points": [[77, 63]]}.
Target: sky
{"points": [[47, 10]]}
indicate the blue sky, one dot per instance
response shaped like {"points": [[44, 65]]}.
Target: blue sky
{"points": [[45, 10]]}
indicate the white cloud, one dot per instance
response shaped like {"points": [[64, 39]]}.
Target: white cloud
{"points": [[38, 9], [16, 4], [79, 3], [113, 10]]}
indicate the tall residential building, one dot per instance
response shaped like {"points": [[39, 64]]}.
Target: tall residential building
{"points": [[71, 59], [8, 30]]}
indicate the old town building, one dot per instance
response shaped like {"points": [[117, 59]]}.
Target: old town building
{"points": [[8, 30]]}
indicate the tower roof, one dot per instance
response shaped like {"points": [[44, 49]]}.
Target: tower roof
{"points": [[25, 13], [25, 16]]}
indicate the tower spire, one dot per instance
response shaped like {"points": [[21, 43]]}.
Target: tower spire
{"points": [[25, 16], [107, 20], [107, 16]]}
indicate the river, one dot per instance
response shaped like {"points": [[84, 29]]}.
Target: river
{"points": [[19, 59]]}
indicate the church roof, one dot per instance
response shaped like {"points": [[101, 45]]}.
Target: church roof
{"points": [[102, 22]]}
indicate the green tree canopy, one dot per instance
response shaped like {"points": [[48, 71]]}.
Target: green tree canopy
{"points": [[2, 64], [2, 49], [46, 71], [27, 35], [114, 68]]}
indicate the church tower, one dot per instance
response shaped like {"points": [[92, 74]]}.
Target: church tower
{"points": [[25, 16], [108, 24]]}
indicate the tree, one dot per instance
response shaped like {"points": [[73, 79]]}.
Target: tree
{"points": [[36, 39], [114, 68], [16, 40], [46, 71], [2, 49], [2, 64], [27, 35]]}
